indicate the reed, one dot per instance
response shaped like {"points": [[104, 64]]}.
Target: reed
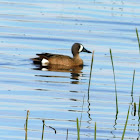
{"points": [[139, 109], [95, 131], [125, 124], [90, 72], [133, 82], [43, 129], [78, 129], [134, 109], [114, 82], [26, 124], [50, 127], [138, 39], [67, 134]]}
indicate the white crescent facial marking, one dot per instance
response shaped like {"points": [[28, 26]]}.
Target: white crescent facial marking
{"points": [[44, 62], [81, 47]]}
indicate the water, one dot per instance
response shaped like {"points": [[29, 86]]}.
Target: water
{"points": [[59, 97]]}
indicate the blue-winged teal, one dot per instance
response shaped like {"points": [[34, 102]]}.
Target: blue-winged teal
{"points": [[46, 59]]}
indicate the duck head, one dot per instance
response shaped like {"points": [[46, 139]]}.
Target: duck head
{"points": [[77, 48]]}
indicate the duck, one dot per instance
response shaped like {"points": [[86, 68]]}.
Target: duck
{"points": [[45, 59]]}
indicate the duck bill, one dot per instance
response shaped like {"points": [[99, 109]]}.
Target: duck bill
{"points": [[85, 50]]}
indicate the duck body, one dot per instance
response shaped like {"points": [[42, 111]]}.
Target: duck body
{"points": [[46, 59]]}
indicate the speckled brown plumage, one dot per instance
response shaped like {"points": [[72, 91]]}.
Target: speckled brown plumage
{"points": [[57, 59]]}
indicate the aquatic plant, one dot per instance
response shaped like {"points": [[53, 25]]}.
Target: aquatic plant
{"points": [[26, 124], [78, 129], [67, 134], [43, 129], [90, 72], [133, 82], [138, 39], [125, 123], [114, 82], [139, 109], [139, 115], [95, 131], [134, 109]]}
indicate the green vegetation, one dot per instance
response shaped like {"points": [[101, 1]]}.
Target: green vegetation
{"points": [[95, 132], [90, 72], [133, 82], [135, 109], [43, 129], [26, 124], [139, 109], [114, 81], [67, 134], [138, 39], [125, 124], [78, 129]]}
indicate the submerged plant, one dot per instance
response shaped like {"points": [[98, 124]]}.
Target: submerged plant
{"points": [[114, 81]]}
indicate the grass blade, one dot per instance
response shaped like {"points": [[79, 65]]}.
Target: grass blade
{"points": [[51, 128], [139, 116], [135, 109], [67, 134], [138, 39], [78, 130], [90, 72], [133, 83], [43, 129], [125, 124], [139, 109], [95, 132], [26, 124], [114, 82]]}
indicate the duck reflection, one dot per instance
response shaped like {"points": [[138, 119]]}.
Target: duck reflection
{"points": [[76, 72]]}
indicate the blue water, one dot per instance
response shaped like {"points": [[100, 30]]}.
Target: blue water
{"points": [[59, 97]]}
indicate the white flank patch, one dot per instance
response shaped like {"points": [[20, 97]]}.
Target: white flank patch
{"points": [[81, 47], [44, 62], [44, 69]]}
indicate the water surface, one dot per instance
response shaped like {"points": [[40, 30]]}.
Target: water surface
{"points": [[59, 97]]}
